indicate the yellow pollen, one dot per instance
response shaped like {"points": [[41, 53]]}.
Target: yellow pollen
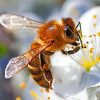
{"points": [[94, 16], [87, 64], [49, 98], [18, 98], [91, 50], [98, 33], [22, 85], [84, 45], [34, 94], [90, 35]]}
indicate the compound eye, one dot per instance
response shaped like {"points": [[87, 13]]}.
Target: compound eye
{"points": [[69, 33]]}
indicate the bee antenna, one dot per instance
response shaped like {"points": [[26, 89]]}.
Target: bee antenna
{"points": [[80, 40], [79, 35]]}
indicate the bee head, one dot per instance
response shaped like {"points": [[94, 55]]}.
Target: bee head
{"points": [[70, 29]]}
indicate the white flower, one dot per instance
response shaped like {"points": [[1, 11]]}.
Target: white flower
{"points": [[73, 77]]}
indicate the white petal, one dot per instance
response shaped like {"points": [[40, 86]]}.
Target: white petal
{"points": [[69, 77], [94, 93], [75, 8], [87, 21], [88, 28], [37, 89], [94, 76]]}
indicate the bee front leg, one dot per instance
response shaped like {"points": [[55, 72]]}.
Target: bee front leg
{"points": [[64, 52], [71, 51]]}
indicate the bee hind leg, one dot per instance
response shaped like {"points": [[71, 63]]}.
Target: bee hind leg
{"points": [[45, 66]]}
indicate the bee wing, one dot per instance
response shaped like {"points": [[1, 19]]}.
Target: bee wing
{"points": [[14, 22], [16, 64]]}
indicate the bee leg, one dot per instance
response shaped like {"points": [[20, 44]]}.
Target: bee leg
{"points": [[45, 66], [48, 53], [44, 62], [64, 52], [75, 44], [71, 51], [74, 50]]}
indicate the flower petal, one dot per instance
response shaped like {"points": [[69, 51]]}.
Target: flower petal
{"points": [[69, 77], [90, 26], [75, 8]]}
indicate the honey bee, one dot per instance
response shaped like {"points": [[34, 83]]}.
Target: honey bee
{"points": [[52, 36]]}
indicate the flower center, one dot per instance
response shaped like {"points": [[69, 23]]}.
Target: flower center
{"points": [[91, 51], [87, 64]]}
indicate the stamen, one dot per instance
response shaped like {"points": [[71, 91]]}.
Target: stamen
{"points": [[81, 45], [98, 44], [94, 16], [84, 49], [91, 52], [49, 98], [98, 34], [95, 42], [89, 56], [74, 59], [88, 49]]}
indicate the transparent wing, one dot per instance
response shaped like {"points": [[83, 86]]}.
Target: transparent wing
{"points": [[18, 63], [13, 22]]}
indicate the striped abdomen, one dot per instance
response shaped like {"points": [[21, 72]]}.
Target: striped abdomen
{"points": [[38, 74]]}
